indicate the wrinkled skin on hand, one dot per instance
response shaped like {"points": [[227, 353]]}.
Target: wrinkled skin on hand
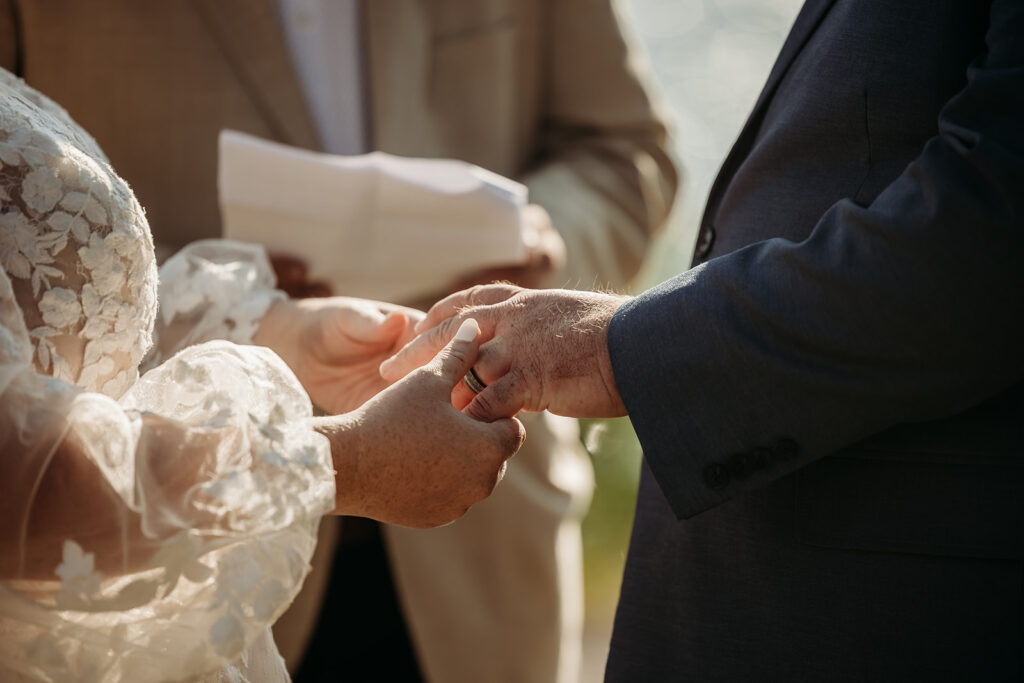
{"points": [[409, 457], [335, 345], [542, 350]]}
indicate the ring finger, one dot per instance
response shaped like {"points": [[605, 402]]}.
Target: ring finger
{"points": [[491, 364]]}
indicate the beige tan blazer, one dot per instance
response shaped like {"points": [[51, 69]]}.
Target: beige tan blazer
{"points": [[543, 90]]}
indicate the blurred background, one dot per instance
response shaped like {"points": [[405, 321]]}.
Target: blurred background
{"points": [[709, 59]]}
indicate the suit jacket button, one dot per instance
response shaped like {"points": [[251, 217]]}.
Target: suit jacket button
{"points": [[786, 449], [705, 241], [738, 465], [716, 476]]}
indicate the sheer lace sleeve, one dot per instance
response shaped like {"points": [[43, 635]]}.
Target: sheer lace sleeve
{"points": [[212, 289], [150, 528]]}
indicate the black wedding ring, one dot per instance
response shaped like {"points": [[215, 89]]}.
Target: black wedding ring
{"points": [[474, 382]]}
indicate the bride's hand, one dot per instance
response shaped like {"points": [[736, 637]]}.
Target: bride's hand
{"points": [[409, 457], [334, 345]]}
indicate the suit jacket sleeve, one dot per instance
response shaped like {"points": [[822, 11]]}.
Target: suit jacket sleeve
{"points": [[906, 310], [603, 170]]}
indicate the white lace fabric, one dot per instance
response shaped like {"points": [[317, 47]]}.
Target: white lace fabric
{"points": [[150, 528]]}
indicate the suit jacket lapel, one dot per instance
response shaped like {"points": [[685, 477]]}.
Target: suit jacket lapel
{"points": [[249, 32], [807, 21]]}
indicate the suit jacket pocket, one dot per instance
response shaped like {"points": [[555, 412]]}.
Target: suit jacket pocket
{"points": [[911, 502]]}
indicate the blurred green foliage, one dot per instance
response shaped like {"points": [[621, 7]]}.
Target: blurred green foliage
{"points": [[615, 452]]}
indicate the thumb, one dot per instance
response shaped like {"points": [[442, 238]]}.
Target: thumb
{"points": [[368, 325], [456, 358]]}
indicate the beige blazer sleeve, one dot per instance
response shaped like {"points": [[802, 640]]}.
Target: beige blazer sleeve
{"points": [[604, 171]]}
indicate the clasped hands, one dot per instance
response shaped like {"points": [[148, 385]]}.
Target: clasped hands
{"points": [[411, 443], [402, 454], [539, 350]]}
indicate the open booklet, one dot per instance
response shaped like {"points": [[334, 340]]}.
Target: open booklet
{"points": [[374, 225]]}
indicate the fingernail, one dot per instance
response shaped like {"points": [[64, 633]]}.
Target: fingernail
{"points": [[467, 330]]}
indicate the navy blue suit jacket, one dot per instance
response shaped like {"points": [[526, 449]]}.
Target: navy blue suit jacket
{"points": [[832, 417]]}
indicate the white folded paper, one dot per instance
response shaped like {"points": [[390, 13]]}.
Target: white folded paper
{"points": [[375, 225]]}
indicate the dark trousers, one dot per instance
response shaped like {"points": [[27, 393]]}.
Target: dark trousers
{"points": [[361, 634]]}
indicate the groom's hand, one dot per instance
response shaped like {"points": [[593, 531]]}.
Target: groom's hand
{"points": [[334, 345], [542, 350], [409, 457]]}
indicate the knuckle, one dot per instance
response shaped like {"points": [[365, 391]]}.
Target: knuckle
{"points": [[501, 397], [482, 405], [516, 438], [476, 295], [452, 365], [459, 351], [507, 444]]}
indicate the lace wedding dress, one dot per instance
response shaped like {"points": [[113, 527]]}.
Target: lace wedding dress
{"points": [[150, 528]]}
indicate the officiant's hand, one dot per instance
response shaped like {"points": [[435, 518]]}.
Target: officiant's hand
{"points": [[292, 274], [409, 457], [334, 345], [545, 256], [542, 350]]}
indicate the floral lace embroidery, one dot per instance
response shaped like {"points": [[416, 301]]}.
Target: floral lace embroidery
{"points": [[76, 244], [212, 289], [78, 304]]}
